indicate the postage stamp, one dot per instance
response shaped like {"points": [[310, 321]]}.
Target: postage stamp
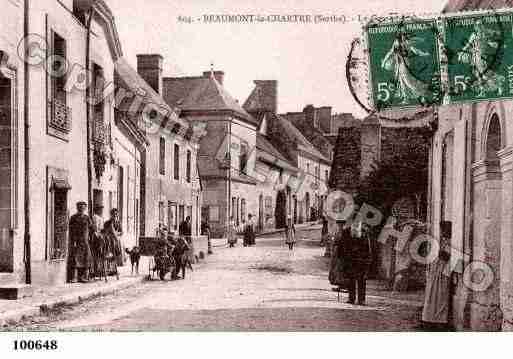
{"points": [[479, 57], [404, 66], [451, 59]]}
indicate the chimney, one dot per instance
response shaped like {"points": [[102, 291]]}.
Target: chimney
{"points": [[264, 97], [149, 67], [324, 115], [311, 116], [218, 75]]}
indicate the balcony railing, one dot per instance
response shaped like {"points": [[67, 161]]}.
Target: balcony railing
{"points": [[60, 115], [100, 132]]}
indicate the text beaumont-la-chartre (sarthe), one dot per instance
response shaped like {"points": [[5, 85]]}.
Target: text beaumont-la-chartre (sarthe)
{"points": [[250, 18]]}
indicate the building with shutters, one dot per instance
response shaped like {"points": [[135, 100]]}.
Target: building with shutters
{"points": [[304, 185], [12, 91], [171, 184]]}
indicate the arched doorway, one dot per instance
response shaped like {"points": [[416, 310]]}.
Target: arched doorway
{"points": [[487, 217], [281, 209], [307, 207]]}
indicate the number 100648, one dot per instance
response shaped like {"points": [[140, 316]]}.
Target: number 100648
{"points": [[35, 345]]}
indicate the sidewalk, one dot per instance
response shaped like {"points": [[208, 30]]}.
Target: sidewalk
{"points": [[45, 298], [222, 242]]}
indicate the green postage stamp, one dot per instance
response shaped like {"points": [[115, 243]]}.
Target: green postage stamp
{"points": [[479, 57], [451, 59], [404, 65]]}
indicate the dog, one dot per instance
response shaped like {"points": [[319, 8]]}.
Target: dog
{"points": [[135, 256]]}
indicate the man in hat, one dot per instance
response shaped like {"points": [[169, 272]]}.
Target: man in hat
{"points": [[80, 226], [358, 254]]}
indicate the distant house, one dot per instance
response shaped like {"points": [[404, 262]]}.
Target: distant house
{"points": [[226, 157], [172, 188], [306, 191]]}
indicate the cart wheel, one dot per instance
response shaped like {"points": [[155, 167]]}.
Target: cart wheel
{"points": [[162, 274]]}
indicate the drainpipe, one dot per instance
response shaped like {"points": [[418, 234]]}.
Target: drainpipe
{"points": [[26, 132], [230, 209], [88, 108]]}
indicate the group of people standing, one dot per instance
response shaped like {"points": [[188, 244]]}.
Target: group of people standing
{"points": [[248, 233], [351, 259], [180, 247], [92, 242]]}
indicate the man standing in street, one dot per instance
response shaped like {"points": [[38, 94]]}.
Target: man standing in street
{"points": [[80, 226], [205, 231], [358, 258], [185, 231]]}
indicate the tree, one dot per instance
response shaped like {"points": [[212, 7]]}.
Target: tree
{"points": [[401, 174]]}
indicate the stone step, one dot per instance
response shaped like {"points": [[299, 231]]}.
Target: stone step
{"points": [[15, 291]]}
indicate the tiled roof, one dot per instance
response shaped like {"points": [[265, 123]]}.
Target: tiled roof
{"points": [[128, 78], [302, 142], [201, 94], [263, 144]]}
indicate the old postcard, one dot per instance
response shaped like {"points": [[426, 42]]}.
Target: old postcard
{"points": [[254, 166]]}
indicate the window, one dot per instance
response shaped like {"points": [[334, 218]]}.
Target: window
{"points": [[171, 216], [58, 112], [58, 64], [176, 162], [161, 213], [121, 192], [188, 173], [243, 210], [99, 134], [243, 158], [162, 156], [181, 213], [327, 175]]}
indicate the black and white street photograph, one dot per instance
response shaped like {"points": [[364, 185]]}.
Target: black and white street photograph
{"points": [[169, 167]]}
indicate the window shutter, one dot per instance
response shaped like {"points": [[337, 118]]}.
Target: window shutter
{"points": [[162, 156]]}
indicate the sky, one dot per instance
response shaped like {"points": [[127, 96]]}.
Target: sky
{"points": [[308, 60]]}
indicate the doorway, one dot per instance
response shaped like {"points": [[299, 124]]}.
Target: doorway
{"points": [[6, 178]]}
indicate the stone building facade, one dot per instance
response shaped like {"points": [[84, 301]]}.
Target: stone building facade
{"points": [[78, 151], [171, 185], [226, 155], [305, 191], [471, 187], [12, 91]]}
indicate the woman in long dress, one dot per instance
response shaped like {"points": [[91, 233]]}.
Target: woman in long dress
{"points": [[230, 233], [435, 313], [290, 234], [249, 232], [113, 231]]}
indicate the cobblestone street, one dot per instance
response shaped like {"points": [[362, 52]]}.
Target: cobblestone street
{"points": [[266, 287]]}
